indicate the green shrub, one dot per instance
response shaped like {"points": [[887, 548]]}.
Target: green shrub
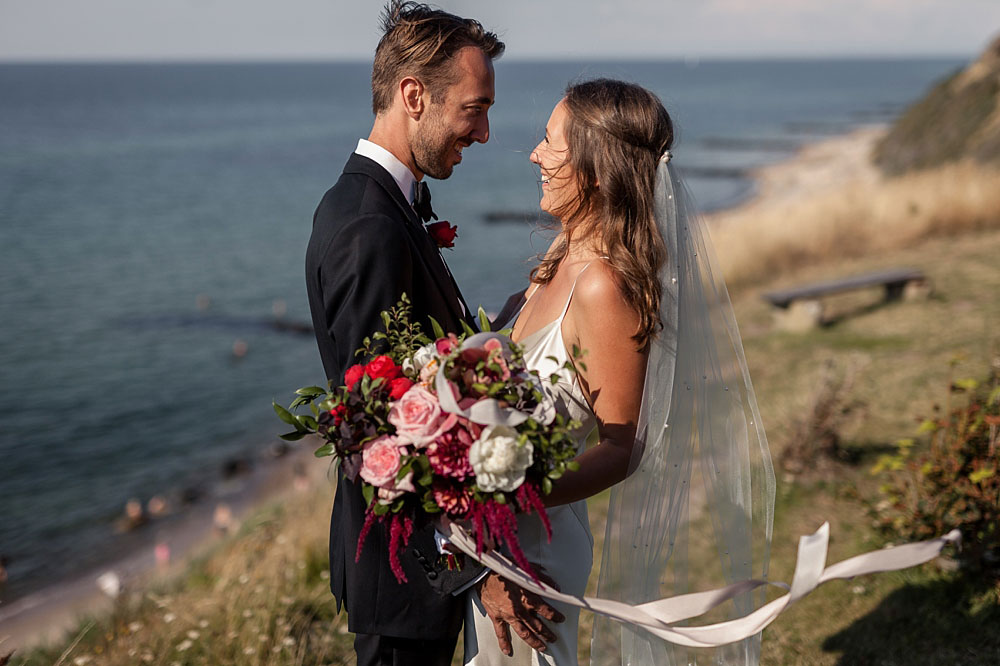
{"points": [[951, 479]]}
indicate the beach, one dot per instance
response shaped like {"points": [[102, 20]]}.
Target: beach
{"points": [[46, 615]]}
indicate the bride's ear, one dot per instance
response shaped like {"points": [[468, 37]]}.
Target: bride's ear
{"points": [[412, 93]]}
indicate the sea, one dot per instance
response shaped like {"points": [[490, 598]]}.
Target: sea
{"points": [[153, 223]]}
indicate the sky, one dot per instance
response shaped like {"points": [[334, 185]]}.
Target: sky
{"points": [[551, 29]]}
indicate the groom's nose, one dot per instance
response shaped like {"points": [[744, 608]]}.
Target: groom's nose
{"points": [[481, 132]]}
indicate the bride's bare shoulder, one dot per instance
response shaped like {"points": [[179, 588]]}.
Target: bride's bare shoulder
{"points": [[599, 298]]}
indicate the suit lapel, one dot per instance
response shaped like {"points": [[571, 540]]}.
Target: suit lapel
{"points": [[419, 237]]}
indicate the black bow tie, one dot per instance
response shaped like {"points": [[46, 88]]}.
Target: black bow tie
{"points": [[422, 202]]}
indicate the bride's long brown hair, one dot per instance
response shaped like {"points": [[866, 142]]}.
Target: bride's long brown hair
{"points": [[616, 132]]}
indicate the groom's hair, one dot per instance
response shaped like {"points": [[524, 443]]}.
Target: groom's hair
{"points": [[420, 41]]}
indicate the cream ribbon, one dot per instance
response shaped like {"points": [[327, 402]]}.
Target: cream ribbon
{"points": [[658, 616], [487, 411]]}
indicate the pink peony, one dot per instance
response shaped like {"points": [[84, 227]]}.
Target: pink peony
{"points": [[418, 417], [446, 345], [380, 461], [449, 453]]}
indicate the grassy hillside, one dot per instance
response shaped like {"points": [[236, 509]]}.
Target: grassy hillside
{"points": [[958, 119]]}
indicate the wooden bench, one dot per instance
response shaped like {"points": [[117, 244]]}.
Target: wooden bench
{"points": [[801, 308]]}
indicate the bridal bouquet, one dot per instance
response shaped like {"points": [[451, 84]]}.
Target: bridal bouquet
{"points": [[456, 427]]}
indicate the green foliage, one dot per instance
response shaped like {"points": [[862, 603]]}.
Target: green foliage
{"points": [[952, 482], [401, 337]]}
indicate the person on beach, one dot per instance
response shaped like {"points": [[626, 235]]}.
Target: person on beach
{"points": [[628, 279], [432, 88]]}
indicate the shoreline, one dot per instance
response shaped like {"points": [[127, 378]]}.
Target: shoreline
{"points": [[822, 165], [47, 614]]}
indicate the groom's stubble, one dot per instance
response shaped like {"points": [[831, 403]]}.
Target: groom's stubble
{"points": [[432, 145]]}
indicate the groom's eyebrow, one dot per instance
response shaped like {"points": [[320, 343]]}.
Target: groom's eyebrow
{"points": [[485, 101]]}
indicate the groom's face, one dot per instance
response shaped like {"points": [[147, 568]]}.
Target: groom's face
{"points": [[459, 118]]}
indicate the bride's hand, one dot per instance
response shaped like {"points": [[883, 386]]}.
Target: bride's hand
{"points": [[507, 605]]}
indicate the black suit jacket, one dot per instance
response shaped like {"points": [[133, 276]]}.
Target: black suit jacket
{"points": [[367, 248]]}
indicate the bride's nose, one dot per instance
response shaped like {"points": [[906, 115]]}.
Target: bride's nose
{"points": [[533, 157]]}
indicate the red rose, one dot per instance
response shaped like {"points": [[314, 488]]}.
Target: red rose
{"points": [[353, 376], [443, 233], [399, 386], [382, 367]]}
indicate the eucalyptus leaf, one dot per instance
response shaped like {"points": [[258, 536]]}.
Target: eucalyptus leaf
{"points": [[325, 450], [368, 492], [293, 436], [311, 391]]}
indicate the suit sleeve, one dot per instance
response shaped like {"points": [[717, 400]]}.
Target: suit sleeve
{"points": [[365, 269]]}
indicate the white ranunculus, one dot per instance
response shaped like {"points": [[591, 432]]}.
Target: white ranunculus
{"points": [[421, 357], [498, 461]]}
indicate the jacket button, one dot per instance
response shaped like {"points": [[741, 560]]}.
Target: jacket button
{"points": [[432, 574]]}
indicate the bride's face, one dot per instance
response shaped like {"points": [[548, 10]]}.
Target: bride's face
{"points": [[559, 186]]}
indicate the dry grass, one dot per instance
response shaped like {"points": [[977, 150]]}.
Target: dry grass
{"points": [[860, 216]]}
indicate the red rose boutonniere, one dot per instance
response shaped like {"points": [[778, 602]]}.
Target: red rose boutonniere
{"points": [[443, 233]]}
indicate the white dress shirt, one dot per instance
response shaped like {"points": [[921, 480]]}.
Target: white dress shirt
{"points": [[399, 171]]}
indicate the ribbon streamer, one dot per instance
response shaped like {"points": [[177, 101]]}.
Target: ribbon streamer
{"points": [[658, 616]]}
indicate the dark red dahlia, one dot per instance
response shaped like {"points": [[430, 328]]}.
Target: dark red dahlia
{"points": [[449, 453], [453, 499]]}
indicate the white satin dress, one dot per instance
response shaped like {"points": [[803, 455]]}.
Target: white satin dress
{"points": [[568, 558]]}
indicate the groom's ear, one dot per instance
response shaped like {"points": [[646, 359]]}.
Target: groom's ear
{"points": [[412, 92]]}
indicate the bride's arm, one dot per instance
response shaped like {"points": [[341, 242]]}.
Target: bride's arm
{"points": [[602, 324]]}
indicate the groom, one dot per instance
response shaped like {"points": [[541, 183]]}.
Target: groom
{"points": [[432, 88]]}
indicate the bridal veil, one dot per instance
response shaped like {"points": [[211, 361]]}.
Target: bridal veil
{"points": [[696, 510]]}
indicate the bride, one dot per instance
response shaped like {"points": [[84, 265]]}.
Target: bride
{"points": [[661, 378]]}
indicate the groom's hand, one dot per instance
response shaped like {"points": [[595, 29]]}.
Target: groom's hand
{"points": [[509, 606]]}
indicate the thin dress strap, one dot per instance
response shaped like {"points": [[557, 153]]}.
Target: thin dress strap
{"points": [[571, 290]]}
